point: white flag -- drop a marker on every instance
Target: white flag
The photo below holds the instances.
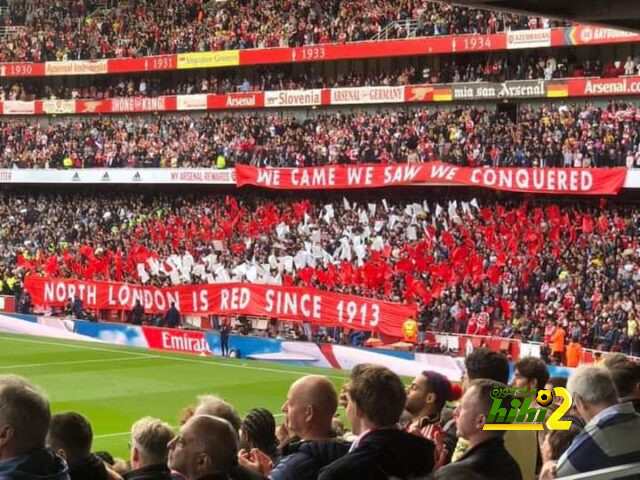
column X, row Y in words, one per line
column 372, row 209
column 474, row 203
column 345, row 203
column 439, row 210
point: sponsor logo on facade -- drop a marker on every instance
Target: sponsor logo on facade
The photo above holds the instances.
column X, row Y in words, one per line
column 105, row 177
column 183, row 342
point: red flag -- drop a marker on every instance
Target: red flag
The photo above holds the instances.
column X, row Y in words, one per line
column 506, row 308
column 494, row 274
column 553, row 212
column 603, row 224
column 448, row 240
column 587, row 224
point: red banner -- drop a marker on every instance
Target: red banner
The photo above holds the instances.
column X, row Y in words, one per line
column 286, row 303
column 573, row 181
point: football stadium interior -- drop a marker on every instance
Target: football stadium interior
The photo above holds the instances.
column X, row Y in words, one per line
column 319, row 240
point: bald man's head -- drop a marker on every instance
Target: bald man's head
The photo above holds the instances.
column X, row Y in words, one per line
column 311, row 404
column 205, row 445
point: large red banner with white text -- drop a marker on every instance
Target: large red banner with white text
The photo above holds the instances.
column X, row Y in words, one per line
column 287, row 303
column 573, row 181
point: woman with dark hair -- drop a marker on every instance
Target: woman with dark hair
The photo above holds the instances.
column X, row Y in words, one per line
column 258, row 430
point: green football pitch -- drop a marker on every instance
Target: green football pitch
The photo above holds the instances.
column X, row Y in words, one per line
column 114, row 386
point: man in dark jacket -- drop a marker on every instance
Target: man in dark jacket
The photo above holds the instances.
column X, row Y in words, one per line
column 70, row 436
column 24, row 421
column 149, row 440
column 309, row 409
column 487, row 454
column 137, row 313
column 172, row 317
column 376, row 400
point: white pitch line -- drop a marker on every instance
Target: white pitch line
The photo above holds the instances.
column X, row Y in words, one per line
column 75, row 362
column 217, row 363
column 122, row 434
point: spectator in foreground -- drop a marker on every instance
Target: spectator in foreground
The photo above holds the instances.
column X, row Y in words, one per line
column 149, row 440
column 215, row 406
column 70, row 435
column 605, row 440
column 522, row 446
column 626, row 377
column 555, row 443
column 205, row 449
column 426, row 397
column 487, row 454
column 258, row 430
column 24, row 421
column 376, row 401
column 311, row 404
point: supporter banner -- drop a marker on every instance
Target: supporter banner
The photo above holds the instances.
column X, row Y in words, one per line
column 58, row 107
column 192, row 102
column 350, row 96
column 583, row 87
column 538, row 38
column 591, row 35
column 119, row 176
column 574, row 181
column 485, row 90
column 139, row 104
column 76, row 67
column 15, row 107
column 288, row 303
column 293, row 98
column 225, row 58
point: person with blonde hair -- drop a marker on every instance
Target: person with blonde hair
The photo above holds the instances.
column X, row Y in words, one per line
column 149, row 440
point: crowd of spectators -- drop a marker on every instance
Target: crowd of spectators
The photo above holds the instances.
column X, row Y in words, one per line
column 393, row 432
column 569, row 135
column 63, row 30
column 463, row 69
column 510, row 269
